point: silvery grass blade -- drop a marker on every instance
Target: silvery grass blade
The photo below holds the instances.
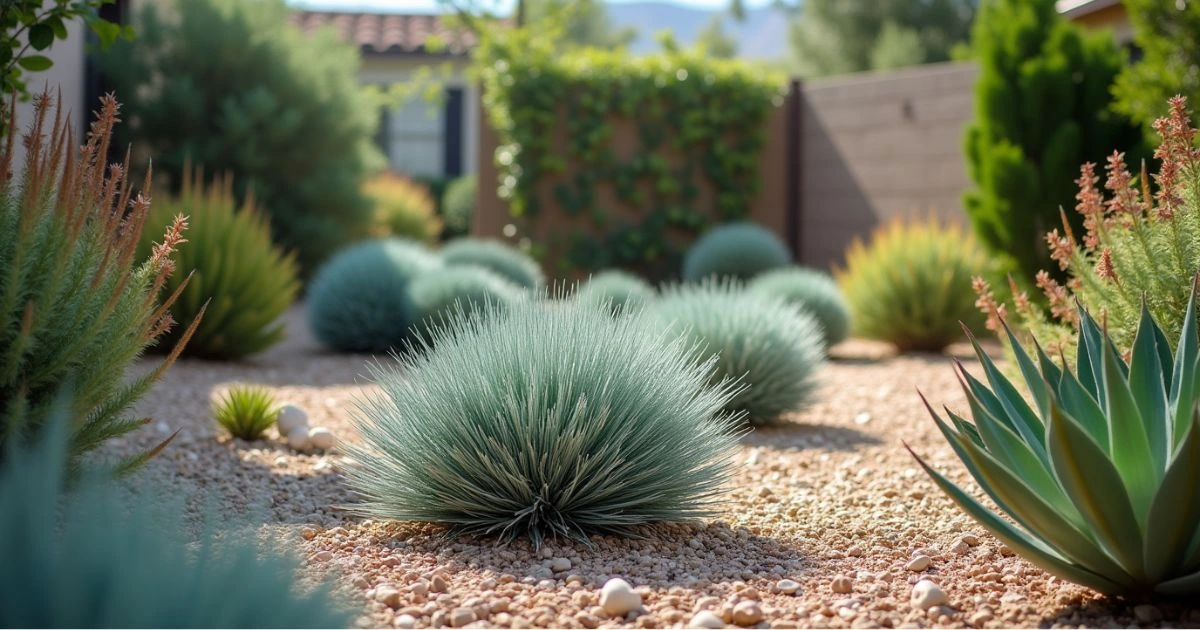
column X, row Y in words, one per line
column 1176, row 510
column 1147, row 383
column 1015, row 407
column 1184, row 373
column 1131, row 452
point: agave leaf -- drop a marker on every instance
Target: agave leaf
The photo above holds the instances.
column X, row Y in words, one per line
column 1083, row 407
column 1183, row 377
column 1027, row 546
column 1094, row 485
column 1088, row 364
column 966, row 428
column 1175, row 511
column 1146, row 383
column 1131, row 452
column 1027, row 423
column 1029, row 371
column 978, row 394
column 1180, row 586
column 1050, row 372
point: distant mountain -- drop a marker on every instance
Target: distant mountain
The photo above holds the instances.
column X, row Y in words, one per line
column 762, row 35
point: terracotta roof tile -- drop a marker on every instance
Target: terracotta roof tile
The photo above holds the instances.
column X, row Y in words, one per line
column 387, row 33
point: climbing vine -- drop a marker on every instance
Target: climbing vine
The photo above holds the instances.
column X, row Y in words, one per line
column 565, row 122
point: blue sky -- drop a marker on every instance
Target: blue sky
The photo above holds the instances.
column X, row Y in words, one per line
column 426, row 6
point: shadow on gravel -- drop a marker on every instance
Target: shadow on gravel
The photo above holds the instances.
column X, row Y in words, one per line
column 1097, row 611
column 797, row 436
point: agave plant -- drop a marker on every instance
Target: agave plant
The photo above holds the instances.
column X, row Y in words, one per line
column 1101, row 475
column 246, row 411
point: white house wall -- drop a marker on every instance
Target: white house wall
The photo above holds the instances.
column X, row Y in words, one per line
column 66, row 75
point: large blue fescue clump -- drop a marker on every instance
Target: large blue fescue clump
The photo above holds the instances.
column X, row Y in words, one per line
column 443, row 295
column 737, row 250
column 619, row 291
column 510, row 263
column 813, row 291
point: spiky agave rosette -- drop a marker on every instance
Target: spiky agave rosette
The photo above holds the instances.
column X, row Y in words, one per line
column 544, row 421
column 1101, row 476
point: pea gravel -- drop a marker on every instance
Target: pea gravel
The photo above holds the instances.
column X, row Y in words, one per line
column 829, row 521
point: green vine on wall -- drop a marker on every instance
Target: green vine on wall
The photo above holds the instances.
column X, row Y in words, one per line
column 700, row 126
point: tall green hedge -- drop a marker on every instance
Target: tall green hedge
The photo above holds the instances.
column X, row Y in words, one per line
column 699, row 125
column 1041, row 109
column 231, row 86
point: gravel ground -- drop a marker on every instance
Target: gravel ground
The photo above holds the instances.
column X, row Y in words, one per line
column 829, row 522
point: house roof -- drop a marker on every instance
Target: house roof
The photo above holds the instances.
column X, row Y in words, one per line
column 1077, row 8
column 389, row 33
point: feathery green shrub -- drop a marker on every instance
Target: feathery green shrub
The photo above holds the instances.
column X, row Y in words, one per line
column 403, row 208
column 359, row 301
column 1167, row 34
column 508, row 262
column 912, row 284
column 245, row 281
column 771, row 347
column 246, row 411
column 1099, row 475
column 812, row 290
column 740, row 250
column 76, row 304
column 458, row 206
column 555, row 420
column 105, row 560
column 620, row 291
column 443, row 295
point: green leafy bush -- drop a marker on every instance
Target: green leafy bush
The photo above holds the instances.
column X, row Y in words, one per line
column 246, row 411
column 403, row 208
column 761, row 342
column 1041, row 109
column 231, row 84
column 550, row 421
column 736, row 250
column 359, row 301
column 505, row 261
column 1099, row 474
column 458, row 205
column 1135, row 247
column 243, row 280
column 449, row 293
column 619, row 291
column 76, row 304
column 912, row 284
column 812, row 290
column 94, row 558
column 1167, row 34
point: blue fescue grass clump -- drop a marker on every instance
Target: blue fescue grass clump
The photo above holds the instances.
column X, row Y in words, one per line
column 509, row 262
column 97, row 558
column 555, row 420
column 620, row 291
column 443, row 295
column 769, row 346
column 738, row 250
column 812, row 290
column 360, row 301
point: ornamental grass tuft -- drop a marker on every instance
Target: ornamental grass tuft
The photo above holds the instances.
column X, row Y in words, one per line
column 508, row 262
column 620, row 291
column 1100, row 476
column 739, row 250
column 772, row 348
column 812, row 290
column 450, row 293
column 246, row 411
column 555, row 420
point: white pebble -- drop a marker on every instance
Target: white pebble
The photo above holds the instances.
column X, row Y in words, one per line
column 747, row 613
column 558, row 565
column 919, row 563
column 298, row 439
column 862, row 418
column 926, row 595
column 617, row 597
column 321, row 438
column 291, row 418
column 787, row 587
column 706, row 619
column 404, row 621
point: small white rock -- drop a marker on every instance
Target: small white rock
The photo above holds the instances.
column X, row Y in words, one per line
column 558, row 565
column 617, row 597
column 706, row 619
column 919, row 563
column 862, row 418
column 298, row 439
column 404, row 621
column 926, row 595
column 291, row 418
column 787, row 587
column 747, row 613
column 321, row 438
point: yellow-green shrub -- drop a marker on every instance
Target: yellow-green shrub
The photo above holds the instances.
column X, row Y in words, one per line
column 403, row 207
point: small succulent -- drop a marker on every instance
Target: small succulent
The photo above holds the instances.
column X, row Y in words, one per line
column 1100, row 476
column 737, row 250
column 448, row 293
column 246, row 411
column 506, row 261
column 812, row 290
column 619, row 291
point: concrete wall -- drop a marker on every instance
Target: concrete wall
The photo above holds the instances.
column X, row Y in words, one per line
column 66, row 75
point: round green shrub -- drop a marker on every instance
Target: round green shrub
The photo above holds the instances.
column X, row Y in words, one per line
column 812, row 290
column 360, row 301
column 458, row 205
column 510, row 263
column 739, row 250
column 403, row 208
column 621, row 291
column 448, row 293
column 767, row 345
column 554, row 420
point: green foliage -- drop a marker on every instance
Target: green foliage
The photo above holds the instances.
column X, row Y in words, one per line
column 1168, row 36
column 696, row 126
column 76, row 305
column 449, row 293
column 713, row 41
column 556, row 421
column 403, row 208
column 761, row 342
column 842, row 36
column 232, row 85
column 619, row 291
column 359, row 301
column 95, row 558
column 246, row 411
column 739, row 250
column 815, row 292
column 243, row 281
column 458, row 206
column 1099, row 475
column 503, row 260
column 576, row 23
column 1041, row 109
column 911, row 284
